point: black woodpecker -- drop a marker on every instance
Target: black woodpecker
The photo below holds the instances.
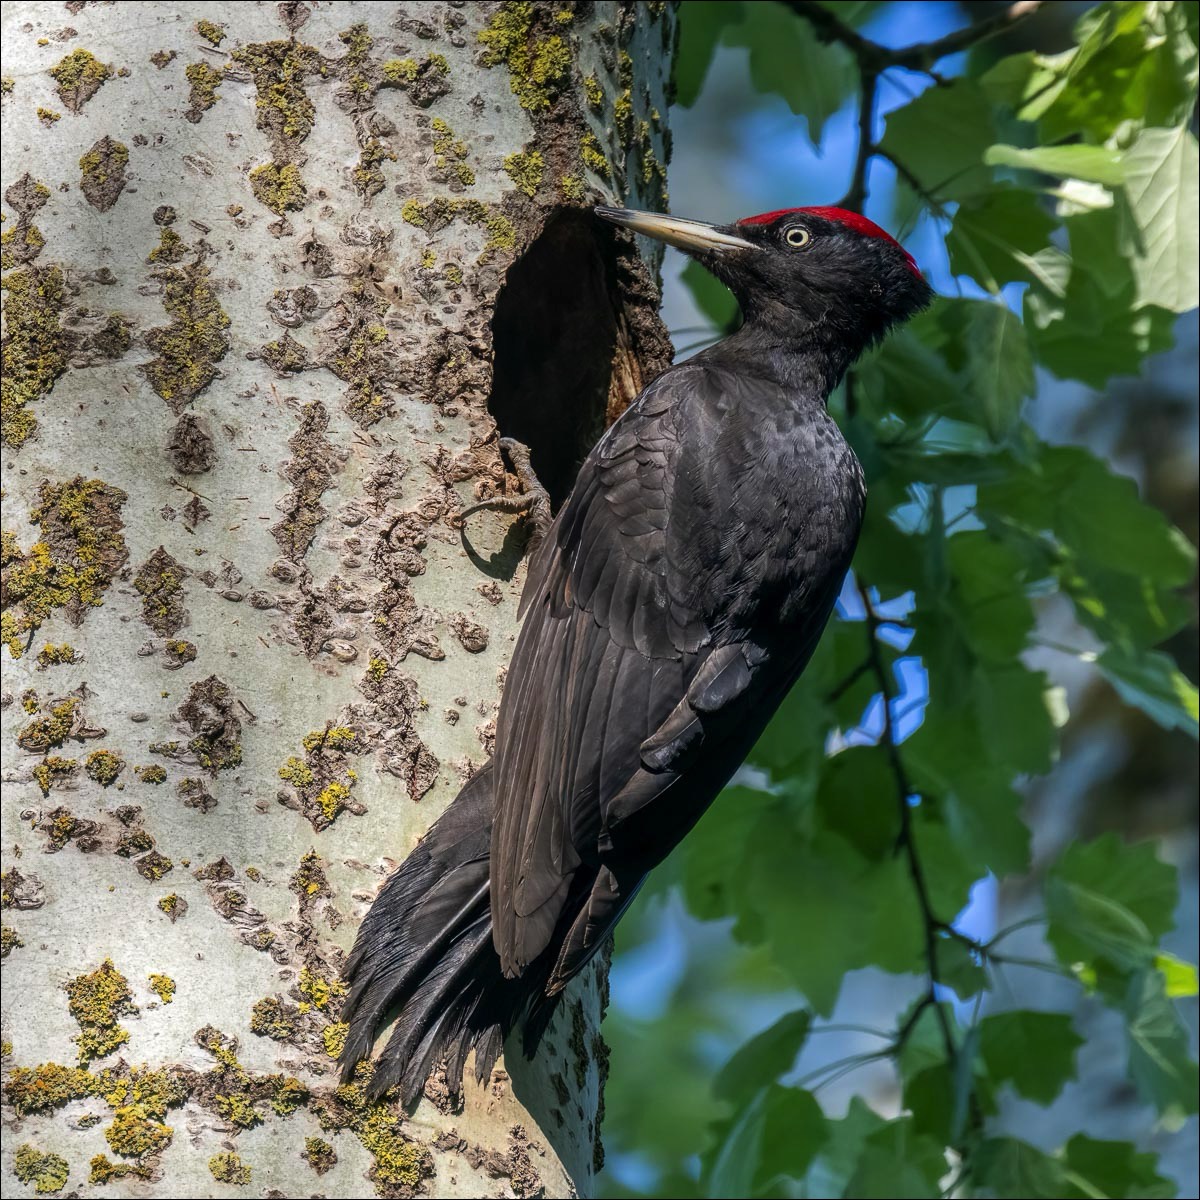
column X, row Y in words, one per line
column 677, row 596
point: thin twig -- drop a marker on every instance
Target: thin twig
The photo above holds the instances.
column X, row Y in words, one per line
column 918, row 57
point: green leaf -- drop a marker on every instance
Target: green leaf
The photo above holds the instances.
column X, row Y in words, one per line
column 775, row 1137
column 961, row 969
column 711, row 880
column 1094, row 513
column 1159, row 1064
column 898, row 1161
column 1111, row 1169
column 994, row 236
column 701, row 24
column 1095, row 163
column 940, row 138
column 763, row 1058
column 786, row 59
column 1152, row 682
column 1111, row 902
column 1162, row 171
column 1179, row 977
column 1007, row 1167
column 1034, row 1051
column 831, row 1169
column 999, row 372
column 829, row 924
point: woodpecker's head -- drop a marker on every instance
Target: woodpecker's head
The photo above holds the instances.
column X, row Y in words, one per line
column 801, row 271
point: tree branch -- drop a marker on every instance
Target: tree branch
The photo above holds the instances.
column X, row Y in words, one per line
column 918, row 57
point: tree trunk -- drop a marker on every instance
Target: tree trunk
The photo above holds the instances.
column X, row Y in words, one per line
column 271, row 285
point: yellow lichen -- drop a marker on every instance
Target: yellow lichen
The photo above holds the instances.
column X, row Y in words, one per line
column 296, row 772
column 163, row 986
column 368, row 175
column 79, row 76
column 336, row 737
column 278, row 186
column 34, row 347
column 319, row 991
column 104, row 766
column 211, row 32
column 572, row 188
column 592, row 156
column 96, row 1001
column 10, row 940
column 152, row 773
column 47, row 1172
column 52, row 770
column 203, row 81
column 228, row 1167
column 526, row 170
column 334, row 1037
column 594, row 93
column 48, row 116
column 51, row 655
column 538, row 66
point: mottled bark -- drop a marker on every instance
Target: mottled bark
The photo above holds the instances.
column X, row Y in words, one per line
column 274, row 286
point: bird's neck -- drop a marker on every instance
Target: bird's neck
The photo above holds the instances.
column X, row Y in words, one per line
column 800, row 359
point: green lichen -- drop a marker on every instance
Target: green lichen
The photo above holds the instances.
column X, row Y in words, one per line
column 104, row 766
column 319, row 1154
column 592, row 155
column 48, row 116
column 377, row 667
column 278, row 186
column 623, row 117
column 47, row 1172
column 449, row 152
column 428, row 259
column 287, row 1095
column 51, row 655
column 594, row 93
column 368, row 175
column 23, row 242
column 203, row 81
column 6, row 85
column 171, row 248
column 133, row 843
column 193, row 343
column 453, row 274
column 151, row 773
column 228, row 1167
column 33, row 347
column 79, row 76
column 163, row 986
column 211, row 32
column 538, row 66
column 399, row 71
column 10, row 940
column 104, row 1170
column 98, row 164
column 271, row 1018
column 501, row 234
column 52, row 771
column 413, row 212
column 526, row 171
column 359, row 43
column 96, row 1001
column 159, row 582
column 278, row 70
column 70, row 568
column 296, row 772
column 572, row 188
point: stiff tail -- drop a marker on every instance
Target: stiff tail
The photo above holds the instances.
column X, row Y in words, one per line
column 425, row 953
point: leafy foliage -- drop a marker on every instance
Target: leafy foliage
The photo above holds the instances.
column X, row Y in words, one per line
column 1065, row 187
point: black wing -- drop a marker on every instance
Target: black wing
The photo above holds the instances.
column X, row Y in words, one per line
column 618, row 674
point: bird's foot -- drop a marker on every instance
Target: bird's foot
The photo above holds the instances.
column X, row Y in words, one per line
column 533, row 500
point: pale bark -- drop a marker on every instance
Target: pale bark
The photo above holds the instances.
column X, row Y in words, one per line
column 241, row 418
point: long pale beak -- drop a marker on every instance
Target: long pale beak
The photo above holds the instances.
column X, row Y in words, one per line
column 675, row 231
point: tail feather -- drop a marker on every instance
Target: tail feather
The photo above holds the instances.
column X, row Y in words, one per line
column 425, row 952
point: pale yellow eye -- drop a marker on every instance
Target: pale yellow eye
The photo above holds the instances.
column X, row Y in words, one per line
column 797, row 237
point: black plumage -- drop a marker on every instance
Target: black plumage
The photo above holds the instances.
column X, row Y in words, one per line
column 677, row 596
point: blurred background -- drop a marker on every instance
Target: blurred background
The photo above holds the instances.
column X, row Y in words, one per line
column 685, row 993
